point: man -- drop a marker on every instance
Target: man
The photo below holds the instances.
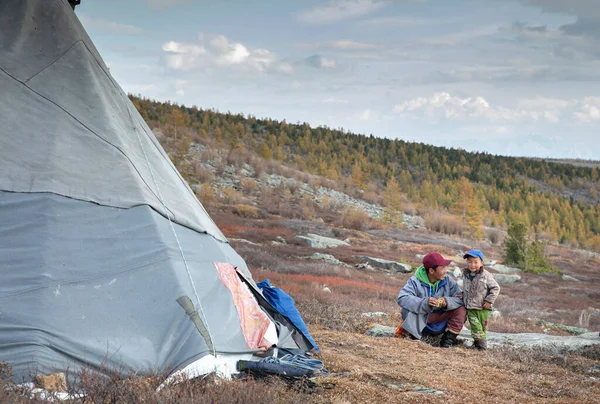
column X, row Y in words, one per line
column 431, row 302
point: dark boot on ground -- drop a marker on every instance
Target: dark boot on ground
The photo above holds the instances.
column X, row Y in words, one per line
column 448, row 339
column 481, row 344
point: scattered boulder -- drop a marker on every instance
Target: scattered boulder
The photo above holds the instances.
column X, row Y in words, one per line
column 280, row 239
column 328, row 258
column 559, row 343
column 54, row 382
column 379, row 330
column 503, row 269
column 503, row 278
column 569, row 278
column 495, row 314
column 316, row 241
column 365, row 266
column 387, row 265
column 326, row 289
column 490, row 263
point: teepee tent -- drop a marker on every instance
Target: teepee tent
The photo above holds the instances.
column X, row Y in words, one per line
column 108, row 260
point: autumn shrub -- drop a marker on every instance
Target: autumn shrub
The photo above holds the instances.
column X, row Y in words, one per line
column 292, row 185
column 260, row 258
column 247, row 211
column 209, row 155
column 248, row 185
column 494, row 235
column 205, row 194
column 444, row 223
column 116, row 387
column 354, row 218
column 232, row 196
column 372, row 197
column 203, row 174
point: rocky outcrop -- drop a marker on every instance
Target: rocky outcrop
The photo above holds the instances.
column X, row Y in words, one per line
column 503, row 269
column 316, row 241
column 328, row 258
column 387, row 265
column 497, row 340
column 503, row 278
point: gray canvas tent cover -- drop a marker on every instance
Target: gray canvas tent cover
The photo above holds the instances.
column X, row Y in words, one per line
column 99, row 234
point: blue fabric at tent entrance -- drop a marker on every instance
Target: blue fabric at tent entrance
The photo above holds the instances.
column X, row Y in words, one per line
column 285, row 305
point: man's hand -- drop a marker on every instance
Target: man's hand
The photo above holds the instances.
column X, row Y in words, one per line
column 433, row 302
column 486, row 305
column 442, row 302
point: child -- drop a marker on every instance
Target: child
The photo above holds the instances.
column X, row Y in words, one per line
column 480, row 290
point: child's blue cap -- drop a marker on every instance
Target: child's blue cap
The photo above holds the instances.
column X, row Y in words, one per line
column 474, row 253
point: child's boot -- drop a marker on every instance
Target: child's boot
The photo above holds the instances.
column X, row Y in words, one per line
column 481, row 344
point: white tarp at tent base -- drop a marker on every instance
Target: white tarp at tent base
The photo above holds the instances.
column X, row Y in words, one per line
column 101, row 240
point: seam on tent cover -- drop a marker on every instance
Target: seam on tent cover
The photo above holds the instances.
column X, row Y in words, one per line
column 54, row 61
column 186, row 186
column 99, row 204
column 187, row 269
column 116, row 207
column 84, row 279
column 89, row 129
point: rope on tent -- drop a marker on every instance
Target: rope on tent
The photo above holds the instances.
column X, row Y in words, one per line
column 174, row 233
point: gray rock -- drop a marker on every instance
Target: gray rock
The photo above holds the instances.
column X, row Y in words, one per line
column 496, row 340
column 379, row 330
column 365, row 266
column 569, row 278
column 503, row 269
column 316, row 241
column 328, row 258
column 326, row 289
column 502, row 278
column 495, row 314
column 387, row 265
column 558, row 343
column 490, row 263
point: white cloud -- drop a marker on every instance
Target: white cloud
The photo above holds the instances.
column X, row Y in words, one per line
column 366, row 115
column 459, row 37
column 396, row 21
column 219, row 51
column 334, row 100
column 338, row 10
column 161, row 4
column 285, row 68
column 109, row 26
column 444, row 106
column 588, row 110
column 353, row 45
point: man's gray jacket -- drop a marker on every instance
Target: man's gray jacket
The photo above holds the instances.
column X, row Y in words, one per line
column 414, row 300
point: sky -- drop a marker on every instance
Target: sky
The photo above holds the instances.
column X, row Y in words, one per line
column 506, row 77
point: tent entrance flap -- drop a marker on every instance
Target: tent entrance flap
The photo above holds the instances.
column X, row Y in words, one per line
column 192, row 313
